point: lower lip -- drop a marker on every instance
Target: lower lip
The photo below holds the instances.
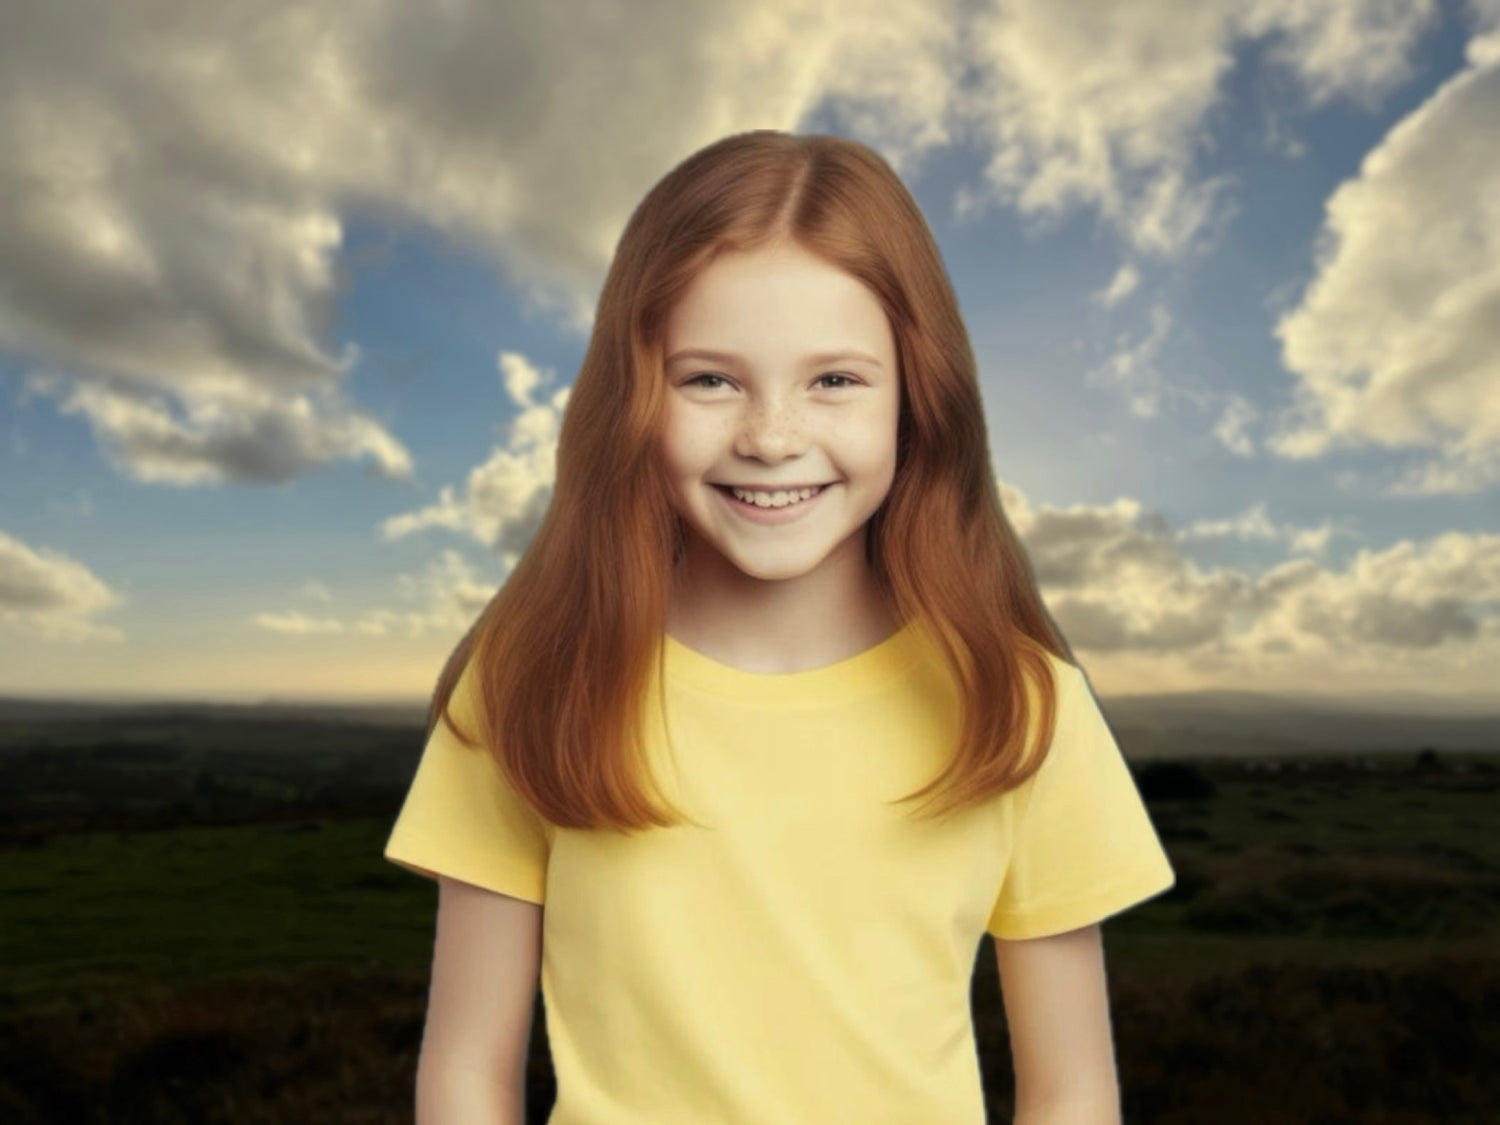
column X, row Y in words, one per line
column 771, row 515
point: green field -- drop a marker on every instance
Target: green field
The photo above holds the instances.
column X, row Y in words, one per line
column 1334, row 924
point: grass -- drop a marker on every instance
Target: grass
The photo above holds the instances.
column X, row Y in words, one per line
column 203, row 902
column 1327, row 954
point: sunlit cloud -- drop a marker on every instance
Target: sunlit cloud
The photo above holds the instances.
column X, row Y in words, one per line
column 1126, row 281
column 1396, row 342
column 47, row 595
column 1121, row 586
column 504, row 499
column 169, row 252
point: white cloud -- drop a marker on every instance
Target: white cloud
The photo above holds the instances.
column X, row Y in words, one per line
column 243, row 433
column 1230, row 428
column 296, row 624
column 1114, row 578
column 1126, row 281
column 1359, row 49
column 501, row 507
column 1107, row 105
column 505, row 498
column 1409, row 596
column 1255, row 523
column 448, row 594
column 177, row 177
column 1397, row 340
column 48, row 595
column 1117, row 582
column 1132, row 368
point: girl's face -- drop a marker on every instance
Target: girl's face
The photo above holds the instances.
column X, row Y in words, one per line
column 783, row 404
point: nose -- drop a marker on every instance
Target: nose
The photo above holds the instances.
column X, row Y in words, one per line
column 771, row 430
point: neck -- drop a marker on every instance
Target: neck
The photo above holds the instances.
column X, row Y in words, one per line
column 809, row 621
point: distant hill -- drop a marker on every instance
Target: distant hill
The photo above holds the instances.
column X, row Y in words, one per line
column 394, row 713
column 1185, row 724
column 1247, row 723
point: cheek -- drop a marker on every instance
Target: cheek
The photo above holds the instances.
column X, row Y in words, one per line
column 676, row 446
column 870, row 448
column 687, row 448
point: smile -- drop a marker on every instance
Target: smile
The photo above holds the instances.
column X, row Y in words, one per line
column 795, row 495
column 770, row 513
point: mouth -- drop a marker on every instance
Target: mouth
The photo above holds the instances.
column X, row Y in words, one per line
column 777, row 488
column 728, row 492
column 728, row 489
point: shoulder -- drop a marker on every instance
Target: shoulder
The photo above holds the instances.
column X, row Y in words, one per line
column 1074, row 714
column 1067, row 681
column 464, row 703
column 1061, row 668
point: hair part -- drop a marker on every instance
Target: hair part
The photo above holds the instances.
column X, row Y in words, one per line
column 563, row 651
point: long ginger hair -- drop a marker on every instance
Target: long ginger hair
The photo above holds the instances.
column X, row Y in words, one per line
column 563, row 652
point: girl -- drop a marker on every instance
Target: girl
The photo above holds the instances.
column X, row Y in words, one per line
column 775, row 593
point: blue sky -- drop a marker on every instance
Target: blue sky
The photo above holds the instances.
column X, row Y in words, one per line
column 284, row 316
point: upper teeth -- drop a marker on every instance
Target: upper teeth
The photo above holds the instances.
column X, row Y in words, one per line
column 774, row 499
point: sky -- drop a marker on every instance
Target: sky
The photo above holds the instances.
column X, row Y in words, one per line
column 291, row 295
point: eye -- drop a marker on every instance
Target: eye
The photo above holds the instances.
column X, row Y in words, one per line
column 697, row 380
column 838, row 375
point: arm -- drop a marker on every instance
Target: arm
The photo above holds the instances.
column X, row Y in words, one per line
column 485, row 967
column 1057, row 1010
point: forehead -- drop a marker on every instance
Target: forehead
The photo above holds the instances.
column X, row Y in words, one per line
column 778, row 305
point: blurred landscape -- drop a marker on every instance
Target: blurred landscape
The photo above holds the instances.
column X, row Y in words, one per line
column 199, row 925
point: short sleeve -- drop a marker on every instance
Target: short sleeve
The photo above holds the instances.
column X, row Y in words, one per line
column 1084, row 847
column 461, row 818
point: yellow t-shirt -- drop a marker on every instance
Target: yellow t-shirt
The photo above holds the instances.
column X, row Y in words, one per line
column 807, row 957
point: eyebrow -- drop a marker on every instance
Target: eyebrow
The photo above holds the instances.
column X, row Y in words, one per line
column 818, row 358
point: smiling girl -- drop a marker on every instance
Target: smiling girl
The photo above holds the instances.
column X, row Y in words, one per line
column 775, row 600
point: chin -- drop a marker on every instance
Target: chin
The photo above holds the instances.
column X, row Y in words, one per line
column 775, row 574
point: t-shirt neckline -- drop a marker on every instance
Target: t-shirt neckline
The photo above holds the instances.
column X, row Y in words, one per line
column 854, row 675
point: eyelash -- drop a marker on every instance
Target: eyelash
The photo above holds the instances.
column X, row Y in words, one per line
column 694, row 379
